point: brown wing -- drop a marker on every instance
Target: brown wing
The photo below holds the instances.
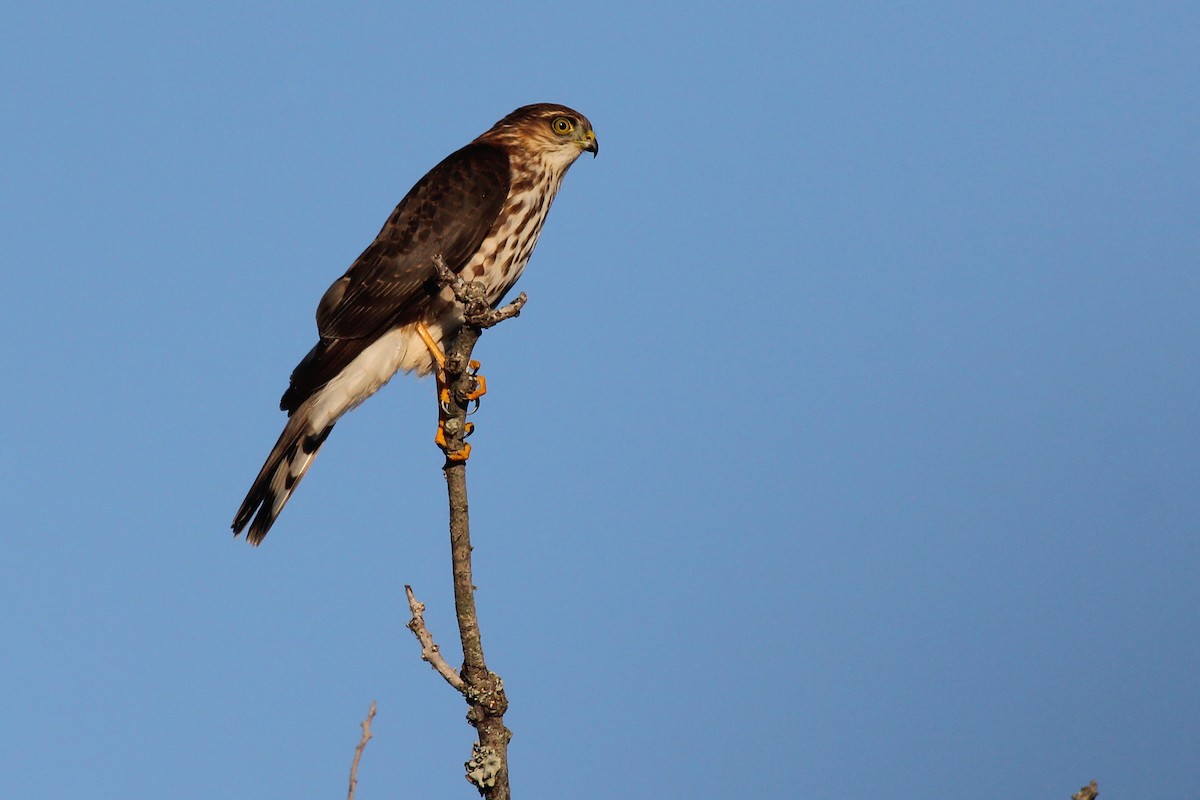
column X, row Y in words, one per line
column 449, row 213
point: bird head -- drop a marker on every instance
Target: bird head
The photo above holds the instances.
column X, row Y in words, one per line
column 556, row 133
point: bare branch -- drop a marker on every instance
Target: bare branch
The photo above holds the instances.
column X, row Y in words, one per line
column 482, row 689
column 430, row 652
column 488, row 768
column 358, row 751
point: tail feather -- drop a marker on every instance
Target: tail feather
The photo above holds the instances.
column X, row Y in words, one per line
column 291, row 457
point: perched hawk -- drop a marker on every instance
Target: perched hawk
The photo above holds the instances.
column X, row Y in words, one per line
column 481, row 210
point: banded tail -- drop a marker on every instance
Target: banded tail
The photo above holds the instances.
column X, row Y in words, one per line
column 291, row 457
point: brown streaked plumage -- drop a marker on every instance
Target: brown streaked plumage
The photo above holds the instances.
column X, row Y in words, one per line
column 481, row 209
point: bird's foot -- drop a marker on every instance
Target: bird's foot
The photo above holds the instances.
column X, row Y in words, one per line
column 460, row 454
column 447, row 416
column 478, row 389
column 480, row 383
column 448, row 419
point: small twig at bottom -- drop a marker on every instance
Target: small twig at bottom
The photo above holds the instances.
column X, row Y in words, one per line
column 358, row 751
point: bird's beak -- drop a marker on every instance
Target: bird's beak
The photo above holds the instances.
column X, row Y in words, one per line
column 590, row 144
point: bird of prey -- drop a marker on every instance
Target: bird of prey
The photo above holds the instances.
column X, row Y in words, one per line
column 480, row 210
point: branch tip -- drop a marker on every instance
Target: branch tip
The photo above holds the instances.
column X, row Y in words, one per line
column 358, row 751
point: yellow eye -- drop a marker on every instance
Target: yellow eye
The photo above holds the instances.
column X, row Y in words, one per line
column 562, row 125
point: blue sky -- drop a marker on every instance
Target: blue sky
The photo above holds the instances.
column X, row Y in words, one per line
column 847, row 445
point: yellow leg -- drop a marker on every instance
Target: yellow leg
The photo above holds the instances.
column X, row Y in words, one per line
column 434, row 350
column 440, row 358
column 443, row 391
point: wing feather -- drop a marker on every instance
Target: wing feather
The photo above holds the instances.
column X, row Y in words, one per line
column 449, row 212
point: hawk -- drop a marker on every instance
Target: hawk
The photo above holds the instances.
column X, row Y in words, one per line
column 480, row 210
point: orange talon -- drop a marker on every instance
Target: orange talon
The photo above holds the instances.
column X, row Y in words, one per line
column 480, row 382
column 452, row 455
column 480, row 388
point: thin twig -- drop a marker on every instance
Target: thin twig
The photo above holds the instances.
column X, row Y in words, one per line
column 358, row 751
column 430, row 652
